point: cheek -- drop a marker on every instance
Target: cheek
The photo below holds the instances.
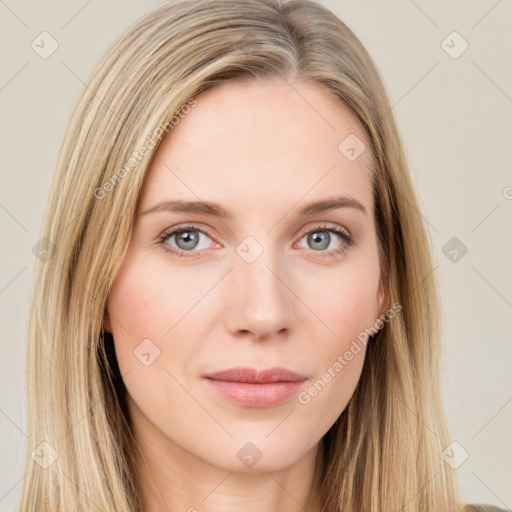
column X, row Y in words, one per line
column 345, row 300
column 340, row 354
column 139, row 306
column 144, row 307
column 150, row 307
column 346, row 303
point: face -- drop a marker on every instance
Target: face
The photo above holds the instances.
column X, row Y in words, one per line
column 258, row 280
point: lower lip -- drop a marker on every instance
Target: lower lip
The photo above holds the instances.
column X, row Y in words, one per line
column 256, row 395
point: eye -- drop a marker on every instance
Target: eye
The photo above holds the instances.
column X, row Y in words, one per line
column 191, row 239
column 321, row 238
column 186, row 239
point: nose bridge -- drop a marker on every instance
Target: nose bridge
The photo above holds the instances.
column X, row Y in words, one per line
column 261, row 301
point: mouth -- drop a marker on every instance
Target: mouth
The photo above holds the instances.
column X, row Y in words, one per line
column 253, row 388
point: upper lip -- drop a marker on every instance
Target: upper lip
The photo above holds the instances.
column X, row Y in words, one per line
column 252, row 375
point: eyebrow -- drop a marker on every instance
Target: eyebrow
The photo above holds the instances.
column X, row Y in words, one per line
column 215, row 210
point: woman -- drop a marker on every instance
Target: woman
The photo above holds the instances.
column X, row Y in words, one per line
column 237, row 309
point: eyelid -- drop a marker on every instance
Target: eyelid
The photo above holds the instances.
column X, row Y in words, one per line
column 318, row 226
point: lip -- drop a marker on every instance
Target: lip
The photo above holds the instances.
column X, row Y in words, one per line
column 254, row 376
column 256, row 388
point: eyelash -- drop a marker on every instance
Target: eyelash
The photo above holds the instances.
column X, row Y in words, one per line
column 342, row 233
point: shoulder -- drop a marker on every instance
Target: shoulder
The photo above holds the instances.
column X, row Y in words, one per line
column 483, row 508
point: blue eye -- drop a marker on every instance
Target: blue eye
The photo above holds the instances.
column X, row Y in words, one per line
column 321, row 237
column 187, row 239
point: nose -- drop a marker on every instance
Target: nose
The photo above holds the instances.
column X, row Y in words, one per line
column 260, row 301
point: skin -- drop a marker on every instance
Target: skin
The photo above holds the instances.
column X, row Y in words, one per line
column 262, row 150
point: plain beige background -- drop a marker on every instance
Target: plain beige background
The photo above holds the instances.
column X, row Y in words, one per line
column 454, row 109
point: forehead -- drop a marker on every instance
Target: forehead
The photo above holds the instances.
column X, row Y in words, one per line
column 260, row 142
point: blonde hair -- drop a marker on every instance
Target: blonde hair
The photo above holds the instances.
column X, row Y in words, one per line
column 384, row 451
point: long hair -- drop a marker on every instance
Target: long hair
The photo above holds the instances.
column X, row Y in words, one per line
column 384, row 452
